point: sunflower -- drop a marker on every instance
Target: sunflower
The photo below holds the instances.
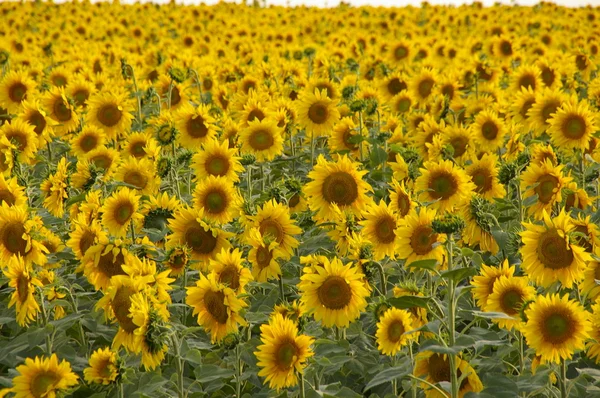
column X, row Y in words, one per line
column 263, row 256
column 273, row 220
column 526, row 77
column 589, row 286
column 116, row 303
column 556, row 327
column 547, row 102
column 157, row 282
column 391, row 331
column 140, row 174
column 254, row 109
column 588, row 233
column 54, row 189
column 401, row 53
column 43, row 377
column 392, row 84
column 435, row 368
column 22, row 135
column 11, row 192
column 283, row 352
column 416, row 239
column 24, row 284
column 334, row 293
column 16, row 236
column 345, row 225
column 546, row 181
column 119, row 210
column 418, row 314
column 380, row 226
column 477, row 214
column 42, row 124
column 523, row 101
column 317, row 113
column 61, row 111
column 102, row 261
column 575, row 197
column 88, row 139
column 111, row 112
column 508, row 296
column 572, row 126
column 158, row 210
column 263, row 139
column 105, row 160
column 217, row 159
column 484, row 174
column 488, row 130
column 343, row 137
column 104, row 367
column 86, row 233
column 339, row 183
column 228, row 267
column 196, row 126
column 141, row 145
column 150, row 339
column 16, row 87
column 550, row 255
column 483, row 284
column 173, row 93
column 216, row 305
column 460, row 138
column 402, row 103
column 292, row 311
column 423, row 84
column 177, row 260
column 443, row 184
column 189, row 229
column 400, row 169
column 80, row 90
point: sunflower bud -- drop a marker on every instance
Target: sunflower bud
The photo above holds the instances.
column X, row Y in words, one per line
column 165, row 134
column 248, row 160
column 524, row 308
column 230, row 341
column 4, row 56
column 126, row 69
column 348, row 92
column 164, row 166
column 177, row 75
column 380, row 309
column 507, row 173
column 448, row 224
column 358, row 105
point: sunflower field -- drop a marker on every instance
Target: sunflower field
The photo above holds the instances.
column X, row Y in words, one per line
column 248, row 201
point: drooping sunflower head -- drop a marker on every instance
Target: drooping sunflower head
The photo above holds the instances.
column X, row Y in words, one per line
column 24, row 296
column 104, row 367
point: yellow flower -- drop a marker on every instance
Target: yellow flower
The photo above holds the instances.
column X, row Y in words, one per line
column 444, row 184
column 273, row 220
column 14, row 89
column 24, row 295
column 416, row 238
column 334, row 293
column 216, row 305
column 435, row 368
column 88, row 139
column 22, row 135
column 218, row 198
column 16, row 236
column 556, row 327
column 104, row 367
column 228, row 267
column 43, row 377
column 508, row 296
column 546, row 181
column 119, row 210
column 483, row 284
column 196, row 126
column 111, row 112
column 392, row 331
column 572, row 126
column 263, row 256
column 11, row 192
column 149, row 338
column 338, row 183
column 55, row 189
column 379, row 227
column 283, row 352
column 263, row 139
column 140, row 174
column 484, row 174
column 550, row 255
column 216, row 159
column 317, row 113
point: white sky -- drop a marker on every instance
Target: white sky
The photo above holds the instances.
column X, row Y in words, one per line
column 397, row 3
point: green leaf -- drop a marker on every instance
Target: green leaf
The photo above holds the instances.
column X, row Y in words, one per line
column 388, row 375
column 459, row 274
column 378, row 156
column 423, row 264
column 491, row 315
column 500, row 236
column 530, row 201
column 75, row 199
column 405, row 302
column 206, row 373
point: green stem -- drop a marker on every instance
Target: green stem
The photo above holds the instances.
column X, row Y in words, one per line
column 158, row 102
column 238, row 361
column 451, row 318
column 413, row 384
column 132, row 231
column 582, row 168
column 281, row 291
column 49, row 152
column 179, row 366
column 249, row 182
column 521, row 353
column 520, row 203
column 169, row 92
column 76, row 311
column 137, row 96
column 302, row 393
column 45, row 317
column 382, row 277
column 121, row 391
column 262, row 177
column 312, row 149
column 563, row 379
